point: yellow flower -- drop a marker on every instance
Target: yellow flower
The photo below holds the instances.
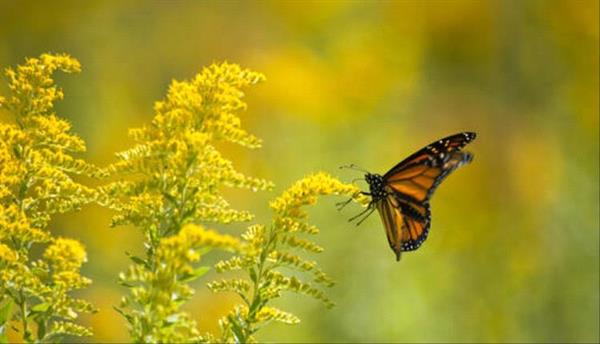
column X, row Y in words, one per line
column 267, row 250
column 306, row 191
column 65, row 254
column 173, row 178
column 7, row 255
column 36, row 181
column 16, row 227
column 32, row 89
column 181, row 248
column 181, row 169
column 70, row 279
column 271, row 313
column 198, row 236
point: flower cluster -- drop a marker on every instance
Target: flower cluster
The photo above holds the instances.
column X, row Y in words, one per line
column 36, row 181
column 172, row 177
column 269, row 251
column 180, row 168
column 33, row 91
column 40, row 290
column 159, row 285
column 168, row 183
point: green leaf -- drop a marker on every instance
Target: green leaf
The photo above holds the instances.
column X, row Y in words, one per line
column 252, row 274
column 203, row 250
column 237, row 330
column 5, row 312
column 40, row 272
column 137, row 260
column 40, row 307
column 41, row 332
column 125, row 315
column 125, row 284
column 257, row 303
column 170, row 198
column 199, row 272
column 188, row 213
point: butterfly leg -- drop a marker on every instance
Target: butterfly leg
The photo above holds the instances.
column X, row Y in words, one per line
column 365, row 217
column 369, row 209
column 341, row 205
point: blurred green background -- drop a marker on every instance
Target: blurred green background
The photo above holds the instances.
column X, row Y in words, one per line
column 513, row 254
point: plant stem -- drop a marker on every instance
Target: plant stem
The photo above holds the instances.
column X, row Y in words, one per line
column 255, row 306
column 23, row 308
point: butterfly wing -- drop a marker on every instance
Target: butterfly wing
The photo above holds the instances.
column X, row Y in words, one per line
column 446, row 145
column 406, row 225
column 393, row 221
column 409, row 186
column 416, row 177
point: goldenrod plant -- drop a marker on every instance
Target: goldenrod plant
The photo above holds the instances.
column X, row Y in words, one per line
column 159, row 285
column 169, row 186
column 37, row 165
column 173, row 177
column 272, row 262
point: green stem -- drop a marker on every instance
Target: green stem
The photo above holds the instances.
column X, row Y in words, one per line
column 23, row 308
column 256, row 304
column 173, row 225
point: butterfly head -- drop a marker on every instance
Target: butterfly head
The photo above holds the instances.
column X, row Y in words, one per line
column 376, row 186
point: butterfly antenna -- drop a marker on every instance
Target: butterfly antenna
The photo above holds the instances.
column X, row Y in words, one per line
column 357, row 179
column 354, row 167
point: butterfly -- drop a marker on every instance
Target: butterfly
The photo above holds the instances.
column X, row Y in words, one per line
column 401, row 196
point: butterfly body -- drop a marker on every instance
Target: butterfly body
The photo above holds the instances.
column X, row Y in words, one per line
column 376, row 186
column 401, row 196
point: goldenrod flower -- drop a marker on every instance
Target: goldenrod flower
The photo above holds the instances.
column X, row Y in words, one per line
column 181, row 169
column 36, row 181
column 7, row 255
column 267, row 314
column 32, row 88
column 159, row 285
column 16, row 227
column 170, row 180
column 267, row 249
column 306, row 192
column 65, row 254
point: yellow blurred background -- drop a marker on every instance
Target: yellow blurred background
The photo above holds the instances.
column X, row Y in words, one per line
column 513, row 254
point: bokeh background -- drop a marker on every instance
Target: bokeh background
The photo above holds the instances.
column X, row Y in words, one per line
column 513, row 254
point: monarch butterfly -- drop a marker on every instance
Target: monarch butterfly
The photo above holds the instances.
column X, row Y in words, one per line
column 402, row 194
